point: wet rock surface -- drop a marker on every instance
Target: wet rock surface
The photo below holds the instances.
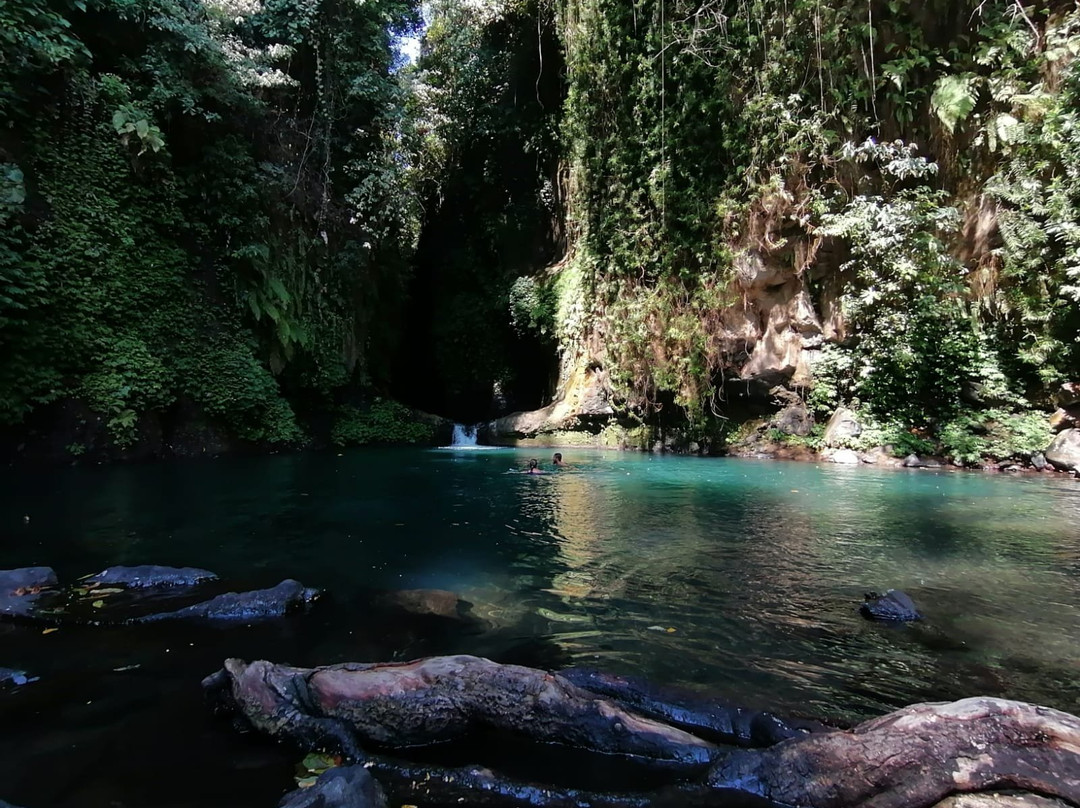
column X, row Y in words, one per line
column 121, row 596
column 436, row 602
column 21, row 589
column 260, row 604
column 150, row 576
column 712, row 720
column 341, row 787
column 893, row 606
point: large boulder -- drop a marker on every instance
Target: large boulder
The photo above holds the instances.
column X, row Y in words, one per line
column 341, row 787
column 1064, row 452
column 793, row 420
column 842, row 428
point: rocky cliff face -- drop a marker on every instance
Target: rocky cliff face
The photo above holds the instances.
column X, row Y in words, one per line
column 769, row 335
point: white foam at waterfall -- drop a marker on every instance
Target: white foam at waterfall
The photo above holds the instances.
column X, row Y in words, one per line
column 464, row 435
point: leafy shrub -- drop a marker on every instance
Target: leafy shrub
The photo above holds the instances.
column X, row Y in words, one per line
column 532, row 306
column 383, row 422
column 230, row 384
column 973, row 437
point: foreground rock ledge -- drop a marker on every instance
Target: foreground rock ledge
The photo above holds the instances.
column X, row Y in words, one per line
column 912, row 758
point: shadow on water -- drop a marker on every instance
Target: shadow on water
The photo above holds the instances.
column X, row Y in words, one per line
column 731, row 577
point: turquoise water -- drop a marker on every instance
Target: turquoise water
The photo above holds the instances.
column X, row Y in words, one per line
column 738, row 578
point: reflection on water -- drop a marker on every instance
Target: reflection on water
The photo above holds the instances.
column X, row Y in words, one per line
column 734, row 577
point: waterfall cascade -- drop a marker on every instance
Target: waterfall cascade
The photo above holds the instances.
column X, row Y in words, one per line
column 464, row 435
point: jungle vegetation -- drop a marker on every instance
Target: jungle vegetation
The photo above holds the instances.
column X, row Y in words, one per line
column 257, row 212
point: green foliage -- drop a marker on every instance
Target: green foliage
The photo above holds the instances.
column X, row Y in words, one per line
column 485, row 109
column 953, row 100
column 208, row 205
column 533, row 306
column 383, row 421
column 974, row 437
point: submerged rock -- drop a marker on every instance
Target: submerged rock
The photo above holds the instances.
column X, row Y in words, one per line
column 259, row 604
column 13, row 678
column 437, row 602
column 151, row 575
column 20, row 589
column 22, row 581
column 894, row 605
column 341, row 787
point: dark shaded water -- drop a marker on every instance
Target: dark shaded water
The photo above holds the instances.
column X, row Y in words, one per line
column 733, row 577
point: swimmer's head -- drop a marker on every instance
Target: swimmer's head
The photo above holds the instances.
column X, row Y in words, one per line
column 534, row 463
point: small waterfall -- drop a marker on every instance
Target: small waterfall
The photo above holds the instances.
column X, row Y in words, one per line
column 464, row 435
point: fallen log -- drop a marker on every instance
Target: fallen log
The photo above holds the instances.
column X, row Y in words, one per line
column 917, row 756
column 442, row 698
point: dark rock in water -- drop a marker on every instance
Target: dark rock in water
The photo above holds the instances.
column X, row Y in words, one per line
column 20, row 589
column 437, row 602
column 260, row 604
column 24, row 581
column 150, row 575
column 708, row 719
column 341, row 787
column 14, row 678
column 894, row 605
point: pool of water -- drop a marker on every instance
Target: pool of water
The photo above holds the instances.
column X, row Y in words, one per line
column 732, row 577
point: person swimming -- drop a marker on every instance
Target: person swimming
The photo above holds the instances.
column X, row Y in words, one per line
column 557, row 461
column 534, row 467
